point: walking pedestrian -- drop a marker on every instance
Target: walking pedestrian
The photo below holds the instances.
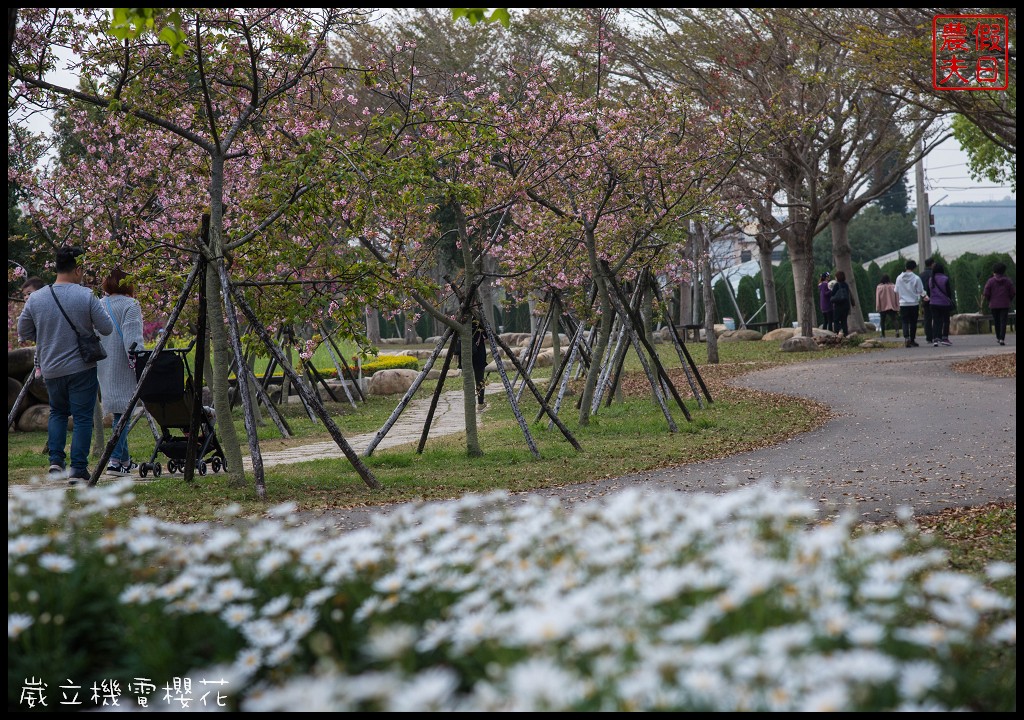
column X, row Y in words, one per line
column 926, row 278
column 54, row 317
column 825, row 301
column 941, row 299
column 887, row 303
column 479, row 352
column 910, row 292
column 117, row 371
column 999, row 293
column 842, row 301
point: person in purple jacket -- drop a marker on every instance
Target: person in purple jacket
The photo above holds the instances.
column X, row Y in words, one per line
column 941, row 298
column 825, row 301
column 999, row 293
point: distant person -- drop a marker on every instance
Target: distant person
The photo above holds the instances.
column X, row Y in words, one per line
column 926, row 278
column 887, row 304
column 940, row 296
column 116, row 371
column 825, row 301
column 479, row 351
column 70, row 381
column 842, row 301
column 910, row 292
column 999, row 293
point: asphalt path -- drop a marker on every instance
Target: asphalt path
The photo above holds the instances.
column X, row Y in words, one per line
column 906, row 430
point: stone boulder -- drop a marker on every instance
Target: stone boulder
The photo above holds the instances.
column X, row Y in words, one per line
column 968, row 324
column 799, row 344
column 391, row 382
column 513, row 339
column 546, row 341
column 737, row 335
column 37, row 389
column 19, row 362
column 435, row 373
column 35, row 418
column 13, row 390
column 779, row 334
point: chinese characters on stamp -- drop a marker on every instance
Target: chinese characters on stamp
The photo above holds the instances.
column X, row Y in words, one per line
column 970, row 52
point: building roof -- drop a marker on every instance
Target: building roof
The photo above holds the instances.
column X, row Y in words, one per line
column 953, row 245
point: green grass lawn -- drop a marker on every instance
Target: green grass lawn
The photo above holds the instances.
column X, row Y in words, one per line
column 627, row 437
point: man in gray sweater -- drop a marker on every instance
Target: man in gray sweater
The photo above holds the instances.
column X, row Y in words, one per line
column 70, row 382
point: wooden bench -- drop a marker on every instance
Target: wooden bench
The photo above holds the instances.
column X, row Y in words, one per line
column 690, row 331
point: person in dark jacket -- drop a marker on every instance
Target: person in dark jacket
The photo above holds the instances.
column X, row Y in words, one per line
column 479, row 358
column 842, row 301
column 999, row 293
column 825, row 301
column 926, row 278
column 940, row 298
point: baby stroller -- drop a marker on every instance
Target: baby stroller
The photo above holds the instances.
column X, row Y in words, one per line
column 169, row 397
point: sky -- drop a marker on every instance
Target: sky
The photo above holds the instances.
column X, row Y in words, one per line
column 948, row 181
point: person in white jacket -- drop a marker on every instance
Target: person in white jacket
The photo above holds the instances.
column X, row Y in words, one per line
column 911, row 292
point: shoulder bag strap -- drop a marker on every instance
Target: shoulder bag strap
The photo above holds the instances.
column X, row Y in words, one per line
column 110, row 312
column 73, row 326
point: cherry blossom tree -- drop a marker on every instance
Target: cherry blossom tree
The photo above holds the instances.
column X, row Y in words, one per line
column 234, row 120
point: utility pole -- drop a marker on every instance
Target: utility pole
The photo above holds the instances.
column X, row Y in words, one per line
column 924, row 238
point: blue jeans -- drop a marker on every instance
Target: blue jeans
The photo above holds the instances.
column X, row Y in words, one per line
column 121, row 448
column 72, row 395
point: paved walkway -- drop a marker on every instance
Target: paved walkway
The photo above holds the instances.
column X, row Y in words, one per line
column 449, row 418
column 907, row 431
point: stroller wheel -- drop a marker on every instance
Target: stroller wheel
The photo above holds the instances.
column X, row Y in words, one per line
column 202, row 467
column 157, row 470
column 215, row 464
column 172, row 466
column 143, row 469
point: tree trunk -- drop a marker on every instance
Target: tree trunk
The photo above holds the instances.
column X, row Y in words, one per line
column 410, row 329
column 98, row 442
column 771, row 304
column 603, row 328
column 844, row 262
column 220, row 362
column 469, row 390
column 801, row 252
column 372, row 325
column 704, row 246
column 685, row 302
column 220, row 352
column 556, row 329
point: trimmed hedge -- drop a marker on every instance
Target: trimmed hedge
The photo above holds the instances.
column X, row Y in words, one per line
column 390, row 362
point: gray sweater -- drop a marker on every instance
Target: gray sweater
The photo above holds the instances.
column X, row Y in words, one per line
column 117, row 377
column 56, row 341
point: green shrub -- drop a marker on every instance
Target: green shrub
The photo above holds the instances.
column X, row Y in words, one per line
column 390, row 362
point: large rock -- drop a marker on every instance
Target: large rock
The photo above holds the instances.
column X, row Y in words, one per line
column 35, row 418
column 741, row 334
column 435, row 373
column 37, row 389
column 13, row 390
column 799, row 344
column 780, row 334
column 391, row 382
column 968, row 324
column 19, row 362
column 513, row 339
column 546, row 342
